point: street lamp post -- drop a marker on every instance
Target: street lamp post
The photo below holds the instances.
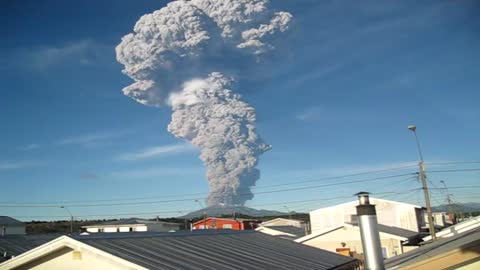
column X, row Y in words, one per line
column 423, row 178
column 71, row 218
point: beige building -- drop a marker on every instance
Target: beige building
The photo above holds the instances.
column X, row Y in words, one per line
column 132, row 225
column 346, row 239
column 390, row 213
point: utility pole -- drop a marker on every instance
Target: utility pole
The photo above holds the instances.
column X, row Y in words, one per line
column 71, row 218
column 449, row 201
column 423, row 178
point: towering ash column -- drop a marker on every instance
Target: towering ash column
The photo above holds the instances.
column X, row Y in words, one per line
column 367, row 218
column 187, row 56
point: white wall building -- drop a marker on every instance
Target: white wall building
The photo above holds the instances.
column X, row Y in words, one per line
column 11, row 226
column 132, row 225
column 390, row 213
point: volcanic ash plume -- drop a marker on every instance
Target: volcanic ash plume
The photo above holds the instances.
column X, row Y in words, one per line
column 179, row 56
column 216, row 120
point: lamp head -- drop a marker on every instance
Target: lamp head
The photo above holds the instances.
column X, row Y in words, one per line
column 412, row 128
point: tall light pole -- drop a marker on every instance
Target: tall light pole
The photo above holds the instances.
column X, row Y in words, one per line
column 423, row 178
column 71, row 218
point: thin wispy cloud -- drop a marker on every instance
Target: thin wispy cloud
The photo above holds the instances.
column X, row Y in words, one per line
column 156, row 172
column 29, row 147
column 13, row 165
column 5, row 165
column 309, row 113
column 92, row 139
column 157, row 151
column 79, row 52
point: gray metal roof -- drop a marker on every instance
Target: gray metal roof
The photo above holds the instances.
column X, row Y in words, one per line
column 215, row 249
column 436, row 248
column 5, row 220
column 15, row 245
column 289, row 229
column 397, row 231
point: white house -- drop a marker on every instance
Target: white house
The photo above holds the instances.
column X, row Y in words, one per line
column 11, row 226
column 132, row 225
column 390, row 213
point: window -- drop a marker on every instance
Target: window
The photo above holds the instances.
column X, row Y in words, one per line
column 226, row 226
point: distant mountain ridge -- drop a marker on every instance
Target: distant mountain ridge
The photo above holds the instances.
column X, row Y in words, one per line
column 218, row 211
column 464, row 207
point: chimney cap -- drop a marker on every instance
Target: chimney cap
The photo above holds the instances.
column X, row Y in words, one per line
column 363, row 198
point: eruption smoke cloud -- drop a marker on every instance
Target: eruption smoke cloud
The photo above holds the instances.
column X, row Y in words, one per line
column 180, row 56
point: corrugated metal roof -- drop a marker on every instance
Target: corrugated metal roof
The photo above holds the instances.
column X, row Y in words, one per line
column 5, row 220
column 288, row 229
column 15, row 245
column 397, row 231
column 215, row 249
column 434, row 249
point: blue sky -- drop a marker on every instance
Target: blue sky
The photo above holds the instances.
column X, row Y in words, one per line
column 335, row 100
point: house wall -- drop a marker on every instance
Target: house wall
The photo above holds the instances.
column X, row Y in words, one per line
column 388, row 213
column 219, row 224
column 114, row 229
column 93, row 230
column 472, row 266
column 67, row 258
column 141, row 228
column 10, row 230
column 466, row 257
column 351, row 237
column 153, row 227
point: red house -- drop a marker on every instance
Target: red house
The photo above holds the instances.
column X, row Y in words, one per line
column 213, row 223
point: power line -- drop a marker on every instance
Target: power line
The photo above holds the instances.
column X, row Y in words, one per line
column 191, row 210
column 204, row 193
column 456, row 187
column 456, row 170
column 190, row 199
column 453, row 163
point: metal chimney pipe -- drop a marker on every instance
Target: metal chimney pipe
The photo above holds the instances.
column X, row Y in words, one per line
column 367, row 218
